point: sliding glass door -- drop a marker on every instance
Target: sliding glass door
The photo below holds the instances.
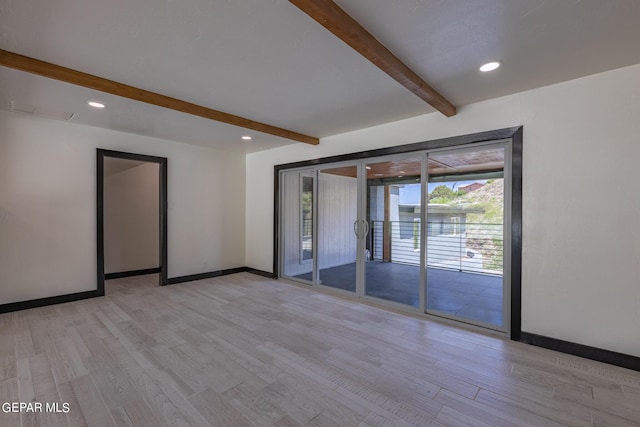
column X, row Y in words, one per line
column 297, row 213
column 339, row 227
column 323, row 231
column 394, row 211
column 466, row 235
column 426, row 231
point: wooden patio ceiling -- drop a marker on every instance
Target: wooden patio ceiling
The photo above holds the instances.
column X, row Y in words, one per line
column 460, row 163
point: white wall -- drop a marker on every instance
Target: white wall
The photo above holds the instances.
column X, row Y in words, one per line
column 581, row 278
column 131, row 217
column 48, row 205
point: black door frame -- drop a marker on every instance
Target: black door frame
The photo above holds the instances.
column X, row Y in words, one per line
column 162, row 161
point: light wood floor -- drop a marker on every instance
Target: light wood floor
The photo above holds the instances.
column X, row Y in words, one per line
column 242, row 350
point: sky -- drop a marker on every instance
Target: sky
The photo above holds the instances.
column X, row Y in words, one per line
column 410, row 194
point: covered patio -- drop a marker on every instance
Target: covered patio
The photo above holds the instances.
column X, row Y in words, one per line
column 477, row 297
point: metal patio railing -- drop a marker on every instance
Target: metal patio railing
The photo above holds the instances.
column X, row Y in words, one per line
column 468, row 247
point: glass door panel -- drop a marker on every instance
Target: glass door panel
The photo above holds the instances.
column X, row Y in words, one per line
column 338, row 227
column 465, row 235
column 394, row 199
column 297, row 224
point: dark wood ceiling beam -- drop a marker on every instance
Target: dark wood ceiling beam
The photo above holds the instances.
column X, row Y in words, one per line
column 347, row 29
column 68, row 75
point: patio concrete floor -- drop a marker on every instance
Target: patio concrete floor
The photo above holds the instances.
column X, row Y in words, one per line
column 477, row 297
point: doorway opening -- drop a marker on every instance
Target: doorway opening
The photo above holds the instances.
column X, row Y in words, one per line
column 131, row 216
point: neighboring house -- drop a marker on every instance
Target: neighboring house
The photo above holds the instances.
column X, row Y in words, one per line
column 441, row 219
column 446, row 227
column 471, row 187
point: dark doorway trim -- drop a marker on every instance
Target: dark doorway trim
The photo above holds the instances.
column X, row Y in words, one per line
column 162, row 161
column 513, row 133
column 132, row 273
column 516, row 235
column 60, row 299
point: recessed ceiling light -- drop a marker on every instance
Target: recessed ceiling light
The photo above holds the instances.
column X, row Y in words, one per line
column 402, row 172
column 399, row 176
column 246, row 138
column 490, row 66
column 378, row 174
column 368, row 168
column 95, row 104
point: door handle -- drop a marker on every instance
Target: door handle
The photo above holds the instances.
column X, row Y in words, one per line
column 357, row 229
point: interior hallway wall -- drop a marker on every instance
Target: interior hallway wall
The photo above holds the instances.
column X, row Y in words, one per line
column 131, row 215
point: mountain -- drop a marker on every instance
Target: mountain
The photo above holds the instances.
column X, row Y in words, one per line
column 490, row 197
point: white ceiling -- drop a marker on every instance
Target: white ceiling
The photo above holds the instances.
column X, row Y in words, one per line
column 267, row 61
